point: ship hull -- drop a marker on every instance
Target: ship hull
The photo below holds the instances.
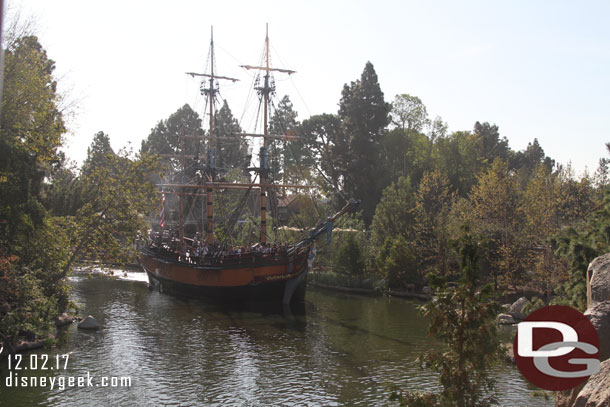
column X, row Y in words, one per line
column 281, row 281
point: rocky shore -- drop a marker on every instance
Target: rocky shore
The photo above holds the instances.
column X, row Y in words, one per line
column 596, row 391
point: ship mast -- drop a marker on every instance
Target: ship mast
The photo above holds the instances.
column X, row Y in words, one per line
column 210, row 92
column 266, row 91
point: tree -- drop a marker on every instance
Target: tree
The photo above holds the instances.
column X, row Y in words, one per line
column 602, row 173
column 364, row 115
column 433, row 201
column 398, row 263
column 32, row 243
column 495, row 203
column 98, row 153
column 350, row 257
column 526, row 161
column 579, row 245
column 286, row 156
column 457, row 156
column 328, row 147
column 229, row 153
column 31, row 130
column 395, row 214
column 542, row 219
column 107, row 226
column 464, row 318
column 165, row 138
column 409, row 113
column 490, row 144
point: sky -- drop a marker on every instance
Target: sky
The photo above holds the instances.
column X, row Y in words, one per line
column 536, row 69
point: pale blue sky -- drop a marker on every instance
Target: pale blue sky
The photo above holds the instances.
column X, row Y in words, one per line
column 536, row 69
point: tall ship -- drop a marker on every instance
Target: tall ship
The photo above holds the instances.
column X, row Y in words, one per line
column 198, row 261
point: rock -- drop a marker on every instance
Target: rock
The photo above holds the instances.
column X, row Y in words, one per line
column 505, row 319
column 599, row 270
column 596, row 392
column 566, row 398
column 64, row 319
column 506, row 307
column 516, row 310
column 426, row 290
column 508, row 352
column 89, row 323
column 599, row 315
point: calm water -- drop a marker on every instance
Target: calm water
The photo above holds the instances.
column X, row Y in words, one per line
column 344, row 351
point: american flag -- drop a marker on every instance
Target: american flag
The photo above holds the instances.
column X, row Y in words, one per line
column 162, row 213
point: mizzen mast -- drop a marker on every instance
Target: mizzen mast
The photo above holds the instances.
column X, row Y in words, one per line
column 265, row 91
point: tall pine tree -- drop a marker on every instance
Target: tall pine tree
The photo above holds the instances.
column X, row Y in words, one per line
column 364, row 114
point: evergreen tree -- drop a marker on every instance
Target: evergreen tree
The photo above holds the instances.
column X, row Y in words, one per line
column 464, row 318
column 164, row 138
column 97, row 153
column 395, row 214
column 350, row 257
column 229, row 153
column 364, row 115
column 433, row 201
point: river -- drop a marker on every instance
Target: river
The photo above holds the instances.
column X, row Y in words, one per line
column 344, row 350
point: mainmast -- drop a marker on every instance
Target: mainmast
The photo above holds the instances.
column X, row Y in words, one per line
column 265, row 91
column 210, row 90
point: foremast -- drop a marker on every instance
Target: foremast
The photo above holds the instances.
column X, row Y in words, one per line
column 210, row 91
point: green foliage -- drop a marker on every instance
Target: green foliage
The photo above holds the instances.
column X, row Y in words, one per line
column 364, row 115
column 323, row 137
column 395, row 213
column 398, row 263
column 433, row 202
column 229, row 153
column 286, row 158
column 579, row 246
column 108, row 224
column 26, row 310
column 409, row 112
column 165, row 138
column 463, row 318
column 350, row 257
column 495, row 215
column 31, row 130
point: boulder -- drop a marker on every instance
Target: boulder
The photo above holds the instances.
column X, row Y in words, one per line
column 599, row 270
column 566, row 398
column 89, row 323
column 596, row 392
column 599, row 315
column 505, row 319
column 516, row 310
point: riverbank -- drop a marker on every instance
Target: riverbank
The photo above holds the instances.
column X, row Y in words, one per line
column 371, row 285
column 342, row 351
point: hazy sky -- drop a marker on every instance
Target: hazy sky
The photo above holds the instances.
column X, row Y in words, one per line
column 536, row 69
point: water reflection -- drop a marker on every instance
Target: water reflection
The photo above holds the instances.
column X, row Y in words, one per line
column 338, row 350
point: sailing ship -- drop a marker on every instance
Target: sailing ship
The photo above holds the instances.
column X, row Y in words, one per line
column 202, row 266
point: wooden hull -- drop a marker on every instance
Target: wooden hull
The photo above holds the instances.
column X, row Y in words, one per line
column 273, row 280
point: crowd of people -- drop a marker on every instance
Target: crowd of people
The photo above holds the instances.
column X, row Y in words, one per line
column 196, row 251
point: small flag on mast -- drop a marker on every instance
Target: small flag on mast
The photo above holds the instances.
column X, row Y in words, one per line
column 162, row 214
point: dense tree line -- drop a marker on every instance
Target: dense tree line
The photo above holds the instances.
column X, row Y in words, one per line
column 419, row 184
column 51, row 213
